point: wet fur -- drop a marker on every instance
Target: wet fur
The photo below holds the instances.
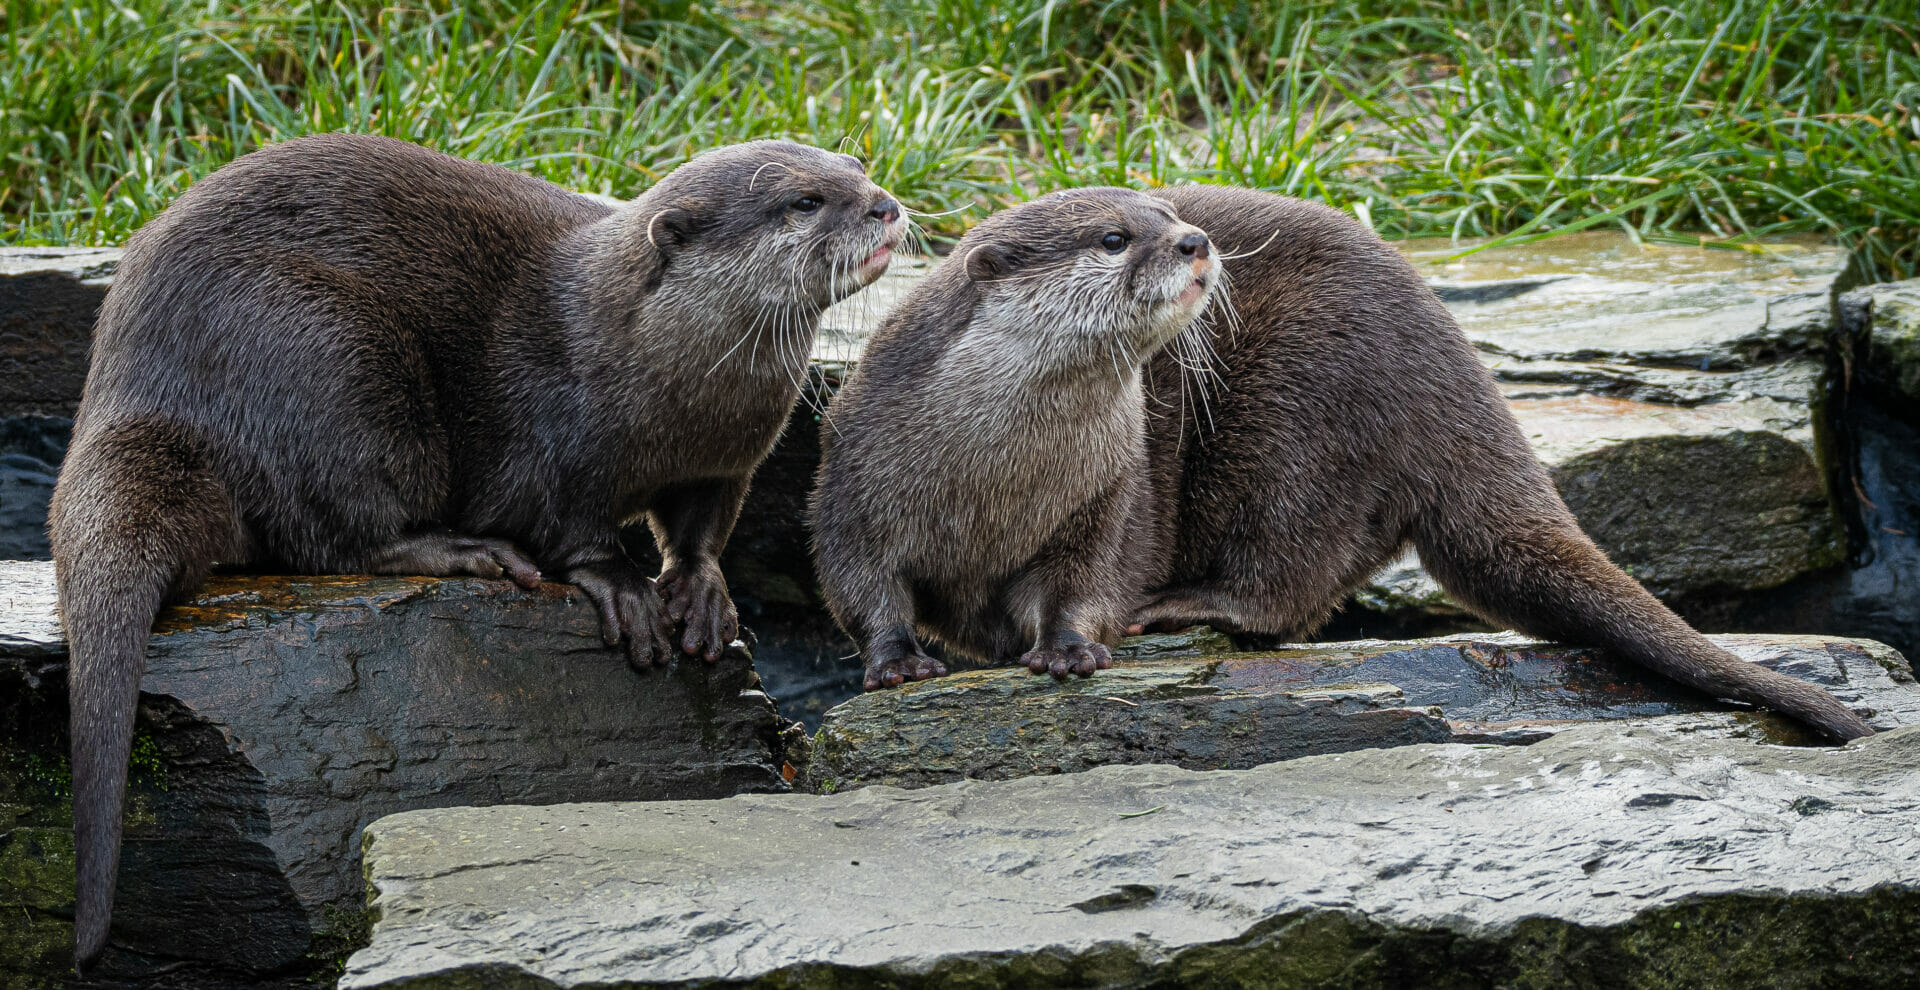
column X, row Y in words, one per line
column 1352, row 417
column 979, row 466
column 350, row 354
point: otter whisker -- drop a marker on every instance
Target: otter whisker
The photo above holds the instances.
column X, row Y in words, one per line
column 1029, row 275
column 752, row 331
column 763, row 167
column 1246, row 254
column 650, row 222
column 945, row 213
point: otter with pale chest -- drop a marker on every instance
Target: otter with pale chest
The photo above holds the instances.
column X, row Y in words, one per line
column 980, row 465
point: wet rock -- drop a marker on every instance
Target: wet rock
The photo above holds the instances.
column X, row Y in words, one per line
column 279, row 715
column 48, row 298
column 1001, row 724
column 1238, row 710
column 1883, row 324
column 31, row 448
column 1606, row 856
column 1722, row 495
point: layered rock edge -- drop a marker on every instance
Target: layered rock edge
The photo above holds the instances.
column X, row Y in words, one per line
column 1607, row 855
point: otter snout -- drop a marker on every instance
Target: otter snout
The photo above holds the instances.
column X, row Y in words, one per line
column 1193, row 246
column 888, row 211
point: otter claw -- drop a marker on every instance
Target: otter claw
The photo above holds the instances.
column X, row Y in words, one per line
column 898, row 671
column 697, row 599
column 630, row 611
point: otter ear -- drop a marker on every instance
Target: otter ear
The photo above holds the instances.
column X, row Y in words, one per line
column 670, row 229
column 987, row 262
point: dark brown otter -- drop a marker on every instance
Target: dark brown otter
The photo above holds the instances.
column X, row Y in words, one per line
column 348, row 354
column 1351, row 417
column 981, row 463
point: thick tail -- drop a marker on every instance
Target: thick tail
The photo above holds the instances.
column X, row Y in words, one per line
column 1519, row 559
column 137, row 517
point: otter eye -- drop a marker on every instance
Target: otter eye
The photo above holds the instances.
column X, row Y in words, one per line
column 1115, row 242
column 805, row 204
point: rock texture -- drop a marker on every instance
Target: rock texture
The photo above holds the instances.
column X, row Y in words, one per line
column 1883, row 324
column 48, row 298
column 1672, row 392
column 279, row 715
column 1607, row 856
column 1598, row 297
column 31, row 448
column 1238, row 710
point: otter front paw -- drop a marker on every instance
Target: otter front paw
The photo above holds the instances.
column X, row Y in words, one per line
column 697, row 599
column 1075, row 657
column 895, row 670
column 630, row 612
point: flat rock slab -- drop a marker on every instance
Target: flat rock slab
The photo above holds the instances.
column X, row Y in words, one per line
column 1607, row 856
column 1671, row 392
column 280, row 715
column 1600, row 297
column 1693, row 482
column 1239, row 710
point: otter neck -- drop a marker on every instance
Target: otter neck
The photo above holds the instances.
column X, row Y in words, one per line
column 1032, row 357
column 1020, row 374
column 633, row 306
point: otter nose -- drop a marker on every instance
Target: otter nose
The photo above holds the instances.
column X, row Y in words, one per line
column 885, row 211
column 1194, row 245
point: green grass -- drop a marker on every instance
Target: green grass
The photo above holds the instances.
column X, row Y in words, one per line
column 1689, row 120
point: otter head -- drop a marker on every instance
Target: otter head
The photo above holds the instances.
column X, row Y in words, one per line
column 1099, row 274
column 771, row 225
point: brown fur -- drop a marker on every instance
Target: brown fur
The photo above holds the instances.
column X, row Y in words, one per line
column 349, row 353
column 981, row 463
column 1351, row 417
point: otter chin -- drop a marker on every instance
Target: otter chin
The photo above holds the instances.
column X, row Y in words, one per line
column 989, row 448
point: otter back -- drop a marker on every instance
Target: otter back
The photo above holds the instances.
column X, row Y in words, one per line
column 1350, row 417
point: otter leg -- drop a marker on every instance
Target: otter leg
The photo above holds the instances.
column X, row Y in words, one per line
column 1067, row 651
column 448, row 554
column 1189, row 605
column 1070, row 598
column 895, row 657
column 691, row 524
column 875, row 608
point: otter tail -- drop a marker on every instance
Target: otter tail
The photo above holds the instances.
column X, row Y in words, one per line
column 137, row 517
column 1519, row 558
